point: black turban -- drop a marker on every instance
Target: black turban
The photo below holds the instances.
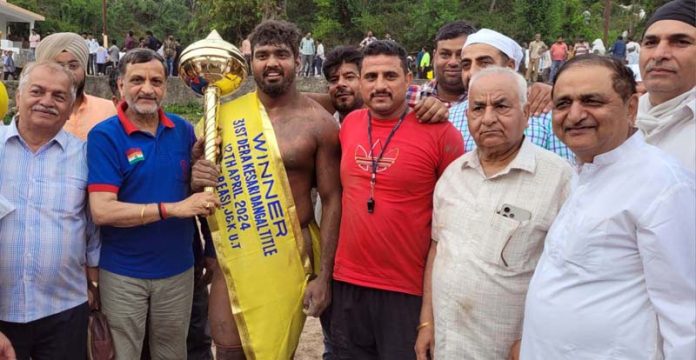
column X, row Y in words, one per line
column 680, row 10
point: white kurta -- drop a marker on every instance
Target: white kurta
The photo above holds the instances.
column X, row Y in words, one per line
column 671, row 126
column 484, row 261
column 617, row 279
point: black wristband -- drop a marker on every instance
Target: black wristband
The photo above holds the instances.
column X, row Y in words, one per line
column 159, row 209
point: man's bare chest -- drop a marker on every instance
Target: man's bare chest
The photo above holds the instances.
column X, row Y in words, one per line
column 297, row 144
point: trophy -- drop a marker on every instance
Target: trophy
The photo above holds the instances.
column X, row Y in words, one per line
column 214, row 68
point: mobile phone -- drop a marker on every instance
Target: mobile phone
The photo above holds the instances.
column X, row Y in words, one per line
column 514, row 212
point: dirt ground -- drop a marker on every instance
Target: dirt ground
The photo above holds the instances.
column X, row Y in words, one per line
column 311, row 342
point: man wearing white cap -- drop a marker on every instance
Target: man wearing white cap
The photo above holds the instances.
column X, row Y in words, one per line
column 485, row 48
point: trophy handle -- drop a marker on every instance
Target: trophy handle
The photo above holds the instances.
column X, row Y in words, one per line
column 211, row 102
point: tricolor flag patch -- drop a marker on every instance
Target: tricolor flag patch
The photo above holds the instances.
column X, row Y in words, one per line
column 135, row 155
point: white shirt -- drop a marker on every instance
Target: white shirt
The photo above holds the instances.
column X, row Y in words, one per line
column 317, row 204
column 102, row 55
column 93, row 46
column 484, row 261
column 545, row 60
column 617, row 279
column 320, row 51
column 34, row 40
column 367, row 41
column 671, row 126
column 632, row 52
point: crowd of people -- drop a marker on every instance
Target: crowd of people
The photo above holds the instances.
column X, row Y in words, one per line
column 475, row 216
column 103, row 58
column 543, row 61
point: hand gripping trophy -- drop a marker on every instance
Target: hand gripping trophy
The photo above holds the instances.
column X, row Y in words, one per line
column 214, row 68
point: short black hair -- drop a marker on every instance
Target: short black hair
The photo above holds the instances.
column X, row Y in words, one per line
column 622, row 78
column 149, row 33
column 389, row 48
column 139, row 56
column 130, row 32
column 276, row 32
column 339, row 56
column 454, row 30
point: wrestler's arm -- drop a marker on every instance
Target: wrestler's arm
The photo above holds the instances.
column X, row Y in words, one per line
column 322, row 99
column 328, row 160
column 428, row 109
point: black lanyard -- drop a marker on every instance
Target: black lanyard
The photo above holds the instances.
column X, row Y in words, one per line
column 375, row 162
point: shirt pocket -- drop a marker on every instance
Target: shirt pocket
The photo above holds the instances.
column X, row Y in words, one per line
column 586, row 243
column 69, row 196
column 492, row 238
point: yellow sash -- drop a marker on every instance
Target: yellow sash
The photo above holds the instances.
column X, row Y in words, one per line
column 260, row 248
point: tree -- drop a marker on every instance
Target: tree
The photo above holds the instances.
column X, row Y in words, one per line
column 413, row 23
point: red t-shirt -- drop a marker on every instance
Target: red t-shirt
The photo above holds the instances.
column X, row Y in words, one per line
column 559, row 51
column 387, row 249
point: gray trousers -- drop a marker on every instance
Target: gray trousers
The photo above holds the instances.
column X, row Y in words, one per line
column 127, row 301
column 306, row 64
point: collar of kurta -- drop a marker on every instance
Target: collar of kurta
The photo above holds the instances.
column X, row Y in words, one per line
column 627, row 149
column 128, row 125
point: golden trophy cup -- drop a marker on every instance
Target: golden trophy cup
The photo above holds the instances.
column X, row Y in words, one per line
column 214, row 68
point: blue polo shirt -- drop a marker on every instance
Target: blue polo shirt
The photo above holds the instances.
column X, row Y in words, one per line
column 143, row 169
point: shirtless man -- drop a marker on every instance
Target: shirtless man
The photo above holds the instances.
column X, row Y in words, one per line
column 308, row 140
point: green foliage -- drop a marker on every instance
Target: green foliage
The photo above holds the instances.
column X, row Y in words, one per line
column 234, row 20
column 413, row 23
column 193, row 112
column 163, row 17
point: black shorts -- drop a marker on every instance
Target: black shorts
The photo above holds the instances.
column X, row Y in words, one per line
column 370, row 324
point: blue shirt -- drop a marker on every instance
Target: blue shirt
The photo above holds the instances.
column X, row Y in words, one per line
column 143, row 169
column 47, row 238
column 307, row 46
column 539, row 131
column 618, row 49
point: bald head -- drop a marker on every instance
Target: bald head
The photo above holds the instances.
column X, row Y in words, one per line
column 497, row 114
column 516, row 83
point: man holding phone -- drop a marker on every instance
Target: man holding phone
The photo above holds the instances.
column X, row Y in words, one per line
column 492, row 209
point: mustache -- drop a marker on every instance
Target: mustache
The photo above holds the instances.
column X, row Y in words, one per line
column 379, row 93
column 653, row 65
column 342, row 92
column 45, row 109
column 579, row 124
column 270, row 70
